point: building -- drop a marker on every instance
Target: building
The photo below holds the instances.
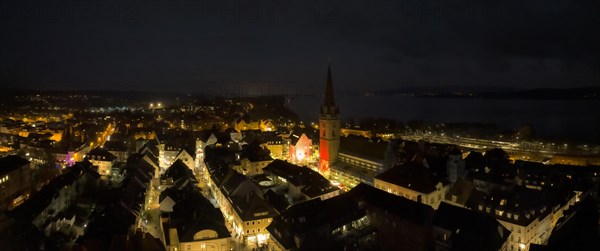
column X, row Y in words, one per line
column 241, row 201
column 191, row 222
column 529, row 214
column 275, row 144
column 118, row 149
column 457, row 228
column 301, row 183
column 300, row 147
column 413, row 182
column 15, row 181
column 313, row 224
column 187, row 158
column 455, row 166
column 46, row 204
column 329, row 129
column 247, row 122
column 253, row 159
column 103, row 159
column 360, row 160
column 400, row 222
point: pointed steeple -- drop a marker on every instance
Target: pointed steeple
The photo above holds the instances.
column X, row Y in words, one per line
column 329, row 101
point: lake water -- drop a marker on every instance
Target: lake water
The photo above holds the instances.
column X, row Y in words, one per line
column 574, row 119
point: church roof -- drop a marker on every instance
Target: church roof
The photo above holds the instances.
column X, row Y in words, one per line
column 329, row 100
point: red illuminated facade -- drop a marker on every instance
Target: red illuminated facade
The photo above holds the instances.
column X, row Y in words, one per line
column 329, row 129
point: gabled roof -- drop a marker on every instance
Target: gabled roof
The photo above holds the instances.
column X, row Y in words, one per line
column 252, row 207
column 193, row 213
column 150, row 146
column 179, row 170
column 412, row 177
column 255, row 153
column 186, row 150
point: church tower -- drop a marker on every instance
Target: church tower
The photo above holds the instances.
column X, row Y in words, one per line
column 329, row 129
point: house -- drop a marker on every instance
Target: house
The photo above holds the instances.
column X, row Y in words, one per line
column 275, row 144
column 103, row 159
column 192, row 223
column 300, row 147
column 527, row 213
column 56, row 196
column 241, row 202
column 413, row 182
column 178, row 171
column 253, row 159
column 248, row 122
column 301, row 183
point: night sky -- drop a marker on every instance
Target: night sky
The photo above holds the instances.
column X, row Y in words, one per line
column 181, row 46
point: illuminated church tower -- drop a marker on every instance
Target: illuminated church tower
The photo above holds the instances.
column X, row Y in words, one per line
column 329, row 126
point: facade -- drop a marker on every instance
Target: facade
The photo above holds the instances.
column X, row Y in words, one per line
column 329, row 129
column 206, row 239
column 275, row 144
column 455, row 167
column 15, row 180
column 300, row 147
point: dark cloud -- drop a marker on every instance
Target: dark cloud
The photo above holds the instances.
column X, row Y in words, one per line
column 178, row 45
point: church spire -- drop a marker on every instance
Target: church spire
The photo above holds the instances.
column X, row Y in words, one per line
column 329, row 101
